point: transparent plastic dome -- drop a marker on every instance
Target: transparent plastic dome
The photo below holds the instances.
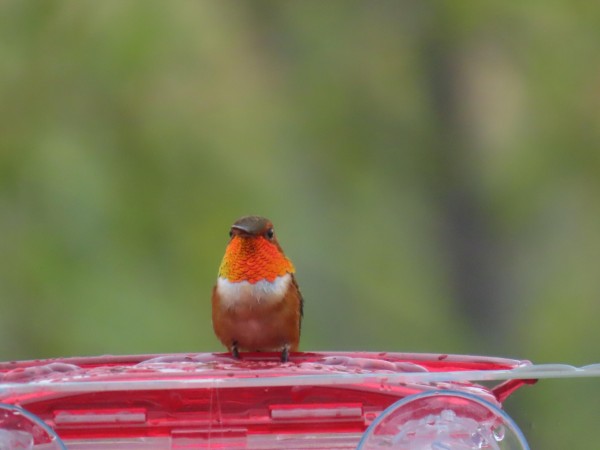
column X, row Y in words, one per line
column 443, row 420
column 19, row 429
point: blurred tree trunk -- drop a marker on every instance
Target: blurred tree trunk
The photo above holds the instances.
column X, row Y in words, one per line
column 473, row 253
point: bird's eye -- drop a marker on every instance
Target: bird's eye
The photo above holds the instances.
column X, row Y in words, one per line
column 269, row 234
column 230, row 233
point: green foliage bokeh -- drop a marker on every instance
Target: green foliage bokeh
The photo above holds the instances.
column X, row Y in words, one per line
column 432, row 170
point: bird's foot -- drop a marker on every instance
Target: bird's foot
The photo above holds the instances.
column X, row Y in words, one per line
column 234, row 350
column 285, row 353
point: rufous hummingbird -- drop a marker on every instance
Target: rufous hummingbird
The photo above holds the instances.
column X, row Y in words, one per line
column 256, row 303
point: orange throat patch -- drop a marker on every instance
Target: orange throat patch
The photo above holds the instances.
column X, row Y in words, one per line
column 253, row 259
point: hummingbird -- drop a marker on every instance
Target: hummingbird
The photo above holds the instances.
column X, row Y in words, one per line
column 256, row 303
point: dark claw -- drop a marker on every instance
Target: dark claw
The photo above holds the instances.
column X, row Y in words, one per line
column 285, row 354
column 234, row 350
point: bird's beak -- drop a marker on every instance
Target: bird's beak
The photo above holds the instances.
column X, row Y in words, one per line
column 240, row 230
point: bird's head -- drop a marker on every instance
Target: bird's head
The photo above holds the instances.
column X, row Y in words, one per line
column 253, row 252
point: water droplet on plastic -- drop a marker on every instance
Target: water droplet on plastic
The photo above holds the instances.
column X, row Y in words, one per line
column 409, row 367
column 370, row 416
column 499, row 431
column 384, row 386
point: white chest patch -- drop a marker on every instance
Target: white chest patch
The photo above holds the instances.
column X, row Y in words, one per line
column 263, row 291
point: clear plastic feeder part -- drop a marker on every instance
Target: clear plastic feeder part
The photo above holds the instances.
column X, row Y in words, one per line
column 19, row 429
column 443, row 420
column 315, row 401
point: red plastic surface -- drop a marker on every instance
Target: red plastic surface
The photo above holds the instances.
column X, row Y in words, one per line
column 200, row 397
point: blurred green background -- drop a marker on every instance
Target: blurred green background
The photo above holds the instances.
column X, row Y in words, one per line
column 432, row 169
